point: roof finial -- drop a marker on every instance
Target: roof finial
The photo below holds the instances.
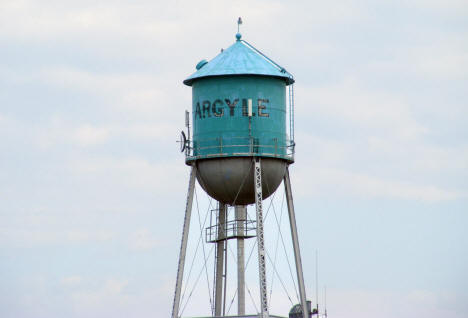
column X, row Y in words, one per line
column 238, row 35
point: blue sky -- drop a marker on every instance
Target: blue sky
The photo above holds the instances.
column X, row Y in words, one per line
column 92, row 185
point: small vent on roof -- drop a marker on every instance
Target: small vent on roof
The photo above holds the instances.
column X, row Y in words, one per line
column 201, row 64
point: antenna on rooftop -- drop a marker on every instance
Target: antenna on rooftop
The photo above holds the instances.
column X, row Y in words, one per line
column 239, row 22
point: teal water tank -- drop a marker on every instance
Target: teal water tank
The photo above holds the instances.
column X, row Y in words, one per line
column 239, row 112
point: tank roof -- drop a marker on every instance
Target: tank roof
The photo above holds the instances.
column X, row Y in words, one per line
column 241, row 58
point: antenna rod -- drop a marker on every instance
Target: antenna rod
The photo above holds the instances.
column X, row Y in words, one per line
column 325, row 300
column 316, row 279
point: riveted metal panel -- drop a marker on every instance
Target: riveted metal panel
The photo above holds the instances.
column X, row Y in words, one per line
column 241, row 58
column 229, row 180
column 221, row 125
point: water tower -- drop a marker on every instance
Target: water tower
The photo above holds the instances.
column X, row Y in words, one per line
column 239, row 152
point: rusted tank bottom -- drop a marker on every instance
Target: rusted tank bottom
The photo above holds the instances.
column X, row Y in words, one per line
column 231, row 180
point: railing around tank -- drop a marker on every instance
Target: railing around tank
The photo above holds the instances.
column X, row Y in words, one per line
column 239, row 146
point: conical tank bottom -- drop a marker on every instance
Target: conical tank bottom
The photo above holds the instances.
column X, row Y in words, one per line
column 231, row 180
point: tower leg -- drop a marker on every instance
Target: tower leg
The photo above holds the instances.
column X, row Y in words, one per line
column 183, row 245
column 260, row 240
column 220, row 259
column 297, row 252
column 241, row 216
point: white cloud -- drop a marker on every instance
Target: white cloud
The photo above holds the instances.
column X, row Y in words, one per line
column 404, row 158
column 443, row 58
column 337, row 182
column 60, row 132
column 115, row 286
column 387, row 154
column 387, row 303
column 443, row 64
column 143, row 240
column 137, row 92
column 120, row 297
column 457, row 7
column 137, row 173
column 420, row 156
column 155, row 132
column 89, row 236
column 71, row 280
column 92, row 22
column 88, row 135
column 110, row 291
column 382, row 167
column 45, row 234
column 382, row 112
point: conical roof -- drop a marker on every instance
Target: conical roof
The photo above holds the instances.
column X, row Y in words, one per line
column 241, row 58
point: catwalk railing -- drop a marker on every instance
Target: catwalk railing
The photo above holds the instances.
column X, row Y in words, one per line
column 239, row 146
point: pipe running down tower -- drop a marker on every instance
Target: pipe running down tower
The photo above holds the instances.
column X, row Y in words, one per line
column 240, row 153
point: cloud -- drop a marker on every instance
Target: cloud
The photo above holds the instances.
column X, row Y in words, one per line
column 441, row 58
column 442, row 63
column 135, row 92
column 88, row 135
column 89, row 236
column 386, row 303
column 71, row 280
column 455, row 6
column 133, row 172
column 54, row 18
column 143, row 240
column 379, row 167
column 369, row 143
column 111, row 290
column 48, row 235
column 420, row 156
column 60, row 132
column 336, row 182
column 382, row 112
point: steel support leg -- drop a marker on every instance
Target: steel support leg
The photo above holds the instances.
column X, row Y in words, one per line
column 220, row 259
column 297, row 252
column 241, row 216
column 183, row 245
column 261, row 244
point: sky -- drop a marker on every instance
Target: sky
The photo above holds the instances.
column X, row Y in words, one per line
column 93, row 186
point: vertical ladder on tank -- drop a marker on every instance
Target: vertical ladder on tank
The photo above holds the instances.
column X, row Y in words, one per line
column 291, row 113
